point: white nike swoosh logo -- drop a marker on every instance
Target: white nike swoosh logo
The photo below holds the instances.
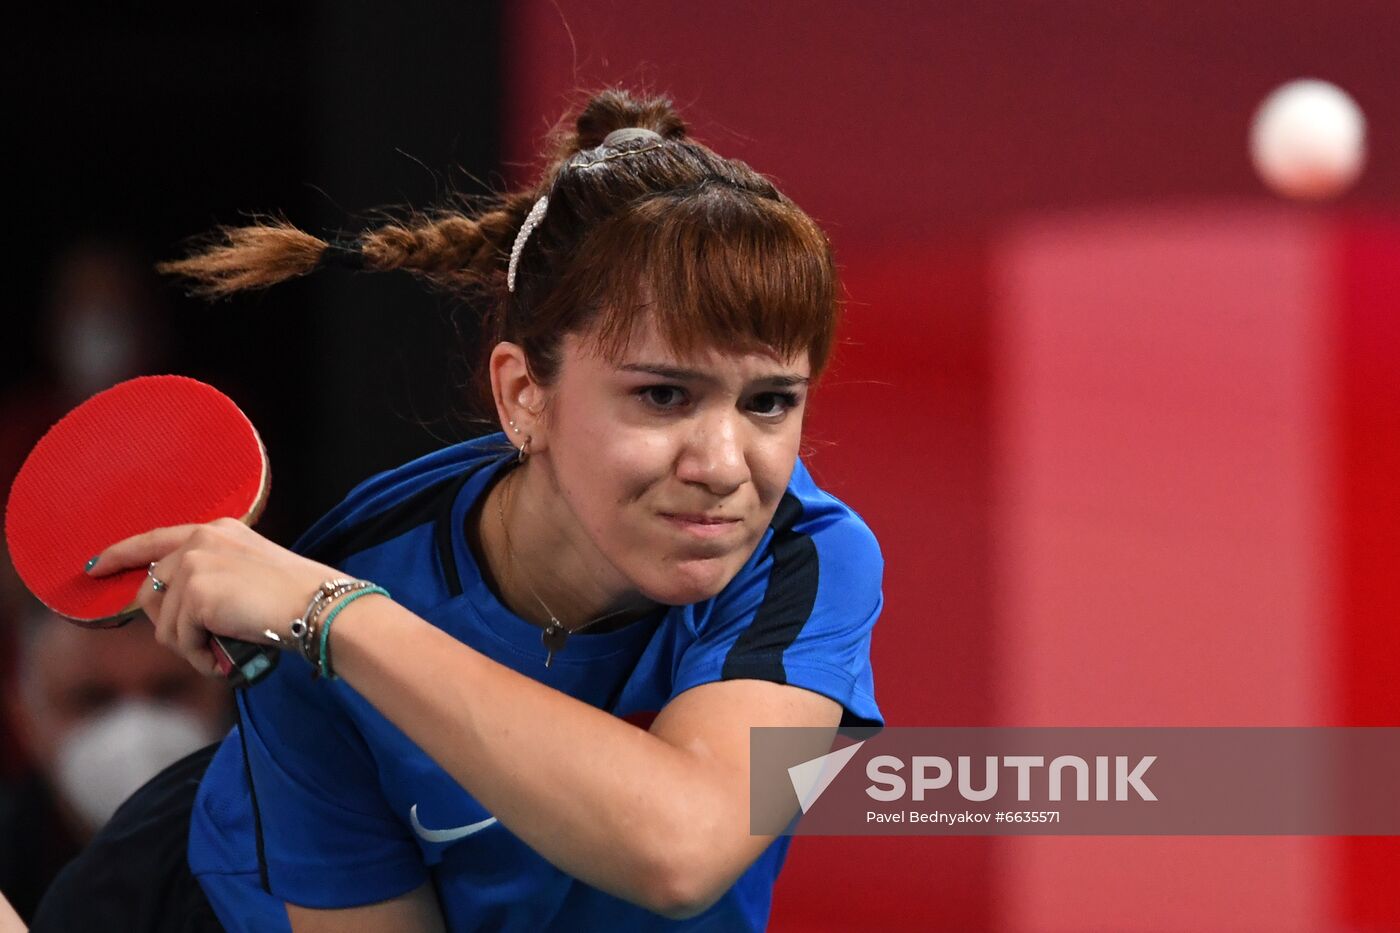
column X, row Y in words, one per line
column 446, row 835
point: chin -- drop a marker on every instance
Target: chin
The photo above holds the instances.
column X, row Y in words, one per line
column 690, row 582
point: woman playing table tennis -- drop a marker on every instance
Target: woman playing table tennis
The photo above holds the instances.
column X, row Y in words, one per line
column 519, row 685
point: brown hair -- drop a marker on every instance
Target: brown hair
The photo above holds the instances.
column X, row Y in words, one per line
column 705, row 245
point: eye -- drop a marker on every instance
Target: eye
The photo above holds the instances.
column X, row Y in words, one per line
column 663, row 397
column 773, row 405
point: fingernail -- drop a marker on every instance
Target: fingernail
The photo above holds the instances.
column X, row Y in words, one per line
column 91, row 564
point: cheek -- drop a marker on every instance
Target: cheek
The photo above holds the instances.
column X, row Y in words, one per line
column 773, row 465
column 606, row 473
column 593, row 444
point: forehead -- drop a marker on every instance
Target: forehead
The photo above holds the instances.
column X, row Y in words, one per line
column 647, row 345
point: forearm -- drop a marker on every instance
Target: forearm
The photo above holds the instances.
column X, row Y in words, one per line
column 611, row 804
column 414, row 912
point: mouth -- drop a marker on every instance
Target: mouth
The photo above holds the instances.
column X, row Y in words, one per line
column 702, row 526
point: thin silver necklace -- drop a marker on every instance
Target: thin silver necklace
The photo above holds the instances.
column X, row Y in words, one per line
column 556, row 634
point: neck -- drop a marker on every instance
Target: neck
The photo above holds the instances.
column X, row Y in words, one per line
column 536, row 561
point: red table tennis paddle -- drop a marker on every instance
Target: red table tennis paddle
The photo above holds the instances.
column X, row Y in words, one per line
column 147, row 453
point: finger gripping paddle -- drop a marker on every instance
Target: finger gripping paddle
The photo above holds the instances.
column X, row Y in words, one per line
column 147, row 453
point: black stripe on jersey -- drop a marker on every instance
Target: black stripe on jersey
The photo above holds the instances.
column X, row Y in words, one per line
column 433, row 504
column 253, row 793
column 757, row 653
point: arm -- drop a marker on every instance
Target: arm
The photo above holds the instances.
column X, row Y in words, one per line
column 669, row 806
column 658, row 818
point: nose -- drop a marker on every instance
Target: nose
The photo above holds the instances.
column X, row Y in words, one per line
column 714, row 454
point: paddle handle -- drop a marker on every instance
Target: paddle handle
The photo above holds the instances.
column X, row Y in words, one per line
column 242, row 663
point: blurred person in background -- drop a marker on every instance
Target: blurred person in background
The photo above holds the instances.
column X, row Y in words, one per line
column 99, row 325
column 98, row 713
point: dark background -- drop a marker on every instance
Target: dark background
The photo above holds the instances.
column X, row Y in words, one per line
column 148, row 126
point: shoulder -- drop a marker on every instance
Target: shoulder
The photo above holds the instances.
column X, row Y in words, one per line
column 836, row 531
column 396, row 501
column 817, row 549
column 801, row 611
column 813, row 526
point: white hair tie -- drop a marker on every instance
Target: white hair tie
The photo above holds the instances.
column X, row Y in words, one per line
column 532, row 220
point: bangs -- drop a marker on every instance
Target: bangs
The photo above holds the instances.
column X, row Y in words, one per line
column 715, row 268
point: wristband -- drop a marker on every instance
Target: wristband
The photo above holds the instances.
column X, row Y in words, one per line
column 323, row 663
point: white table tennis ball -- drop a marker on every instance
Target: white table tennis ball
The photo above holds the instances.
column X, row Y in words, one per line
column 1308, row 140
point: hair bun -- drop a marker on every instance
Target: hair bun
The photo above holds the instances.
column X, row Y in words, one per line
column 631, row 134
column 615, row 110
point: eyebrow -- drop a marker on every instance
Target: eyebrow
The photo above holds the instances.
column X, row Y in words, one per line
column 693, row 375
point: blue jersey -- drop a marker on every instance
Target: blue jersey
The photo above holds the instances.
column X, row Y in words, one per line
column 317, row 799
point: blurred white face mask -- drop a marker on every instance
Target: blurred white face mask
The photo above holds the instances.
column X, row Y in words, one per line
column 102, row 761
column 98, row 350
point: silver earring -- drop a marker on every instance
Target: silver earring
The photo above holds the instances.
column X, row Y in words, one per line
column 524, row 450
column 514, row 428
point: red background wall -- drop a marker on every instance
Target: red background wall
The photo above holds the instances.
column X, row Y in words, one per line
column 948, row 149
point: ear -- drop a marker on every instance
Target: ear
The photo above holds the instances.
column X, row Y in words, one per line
column 520, row 400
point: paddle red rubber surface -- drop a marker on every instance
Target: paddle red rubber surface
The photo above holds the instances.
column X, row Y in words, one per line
column 147, row 453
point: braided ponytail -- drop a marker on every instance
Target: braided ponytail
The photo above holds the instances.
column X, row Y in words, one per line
column 447, row 248
column 235, row 259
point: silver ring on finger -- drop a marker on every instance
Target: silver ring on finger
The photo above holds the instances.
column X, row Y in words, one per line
column 157, row 584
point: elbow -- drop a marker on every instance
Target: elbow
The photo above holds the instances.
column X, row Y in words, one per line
column 680, row 895
column 685, row 879
column 692, row 851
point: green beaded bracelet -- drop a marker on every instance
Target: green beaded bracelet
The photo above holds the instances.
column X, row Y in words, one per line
column 324, row 665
